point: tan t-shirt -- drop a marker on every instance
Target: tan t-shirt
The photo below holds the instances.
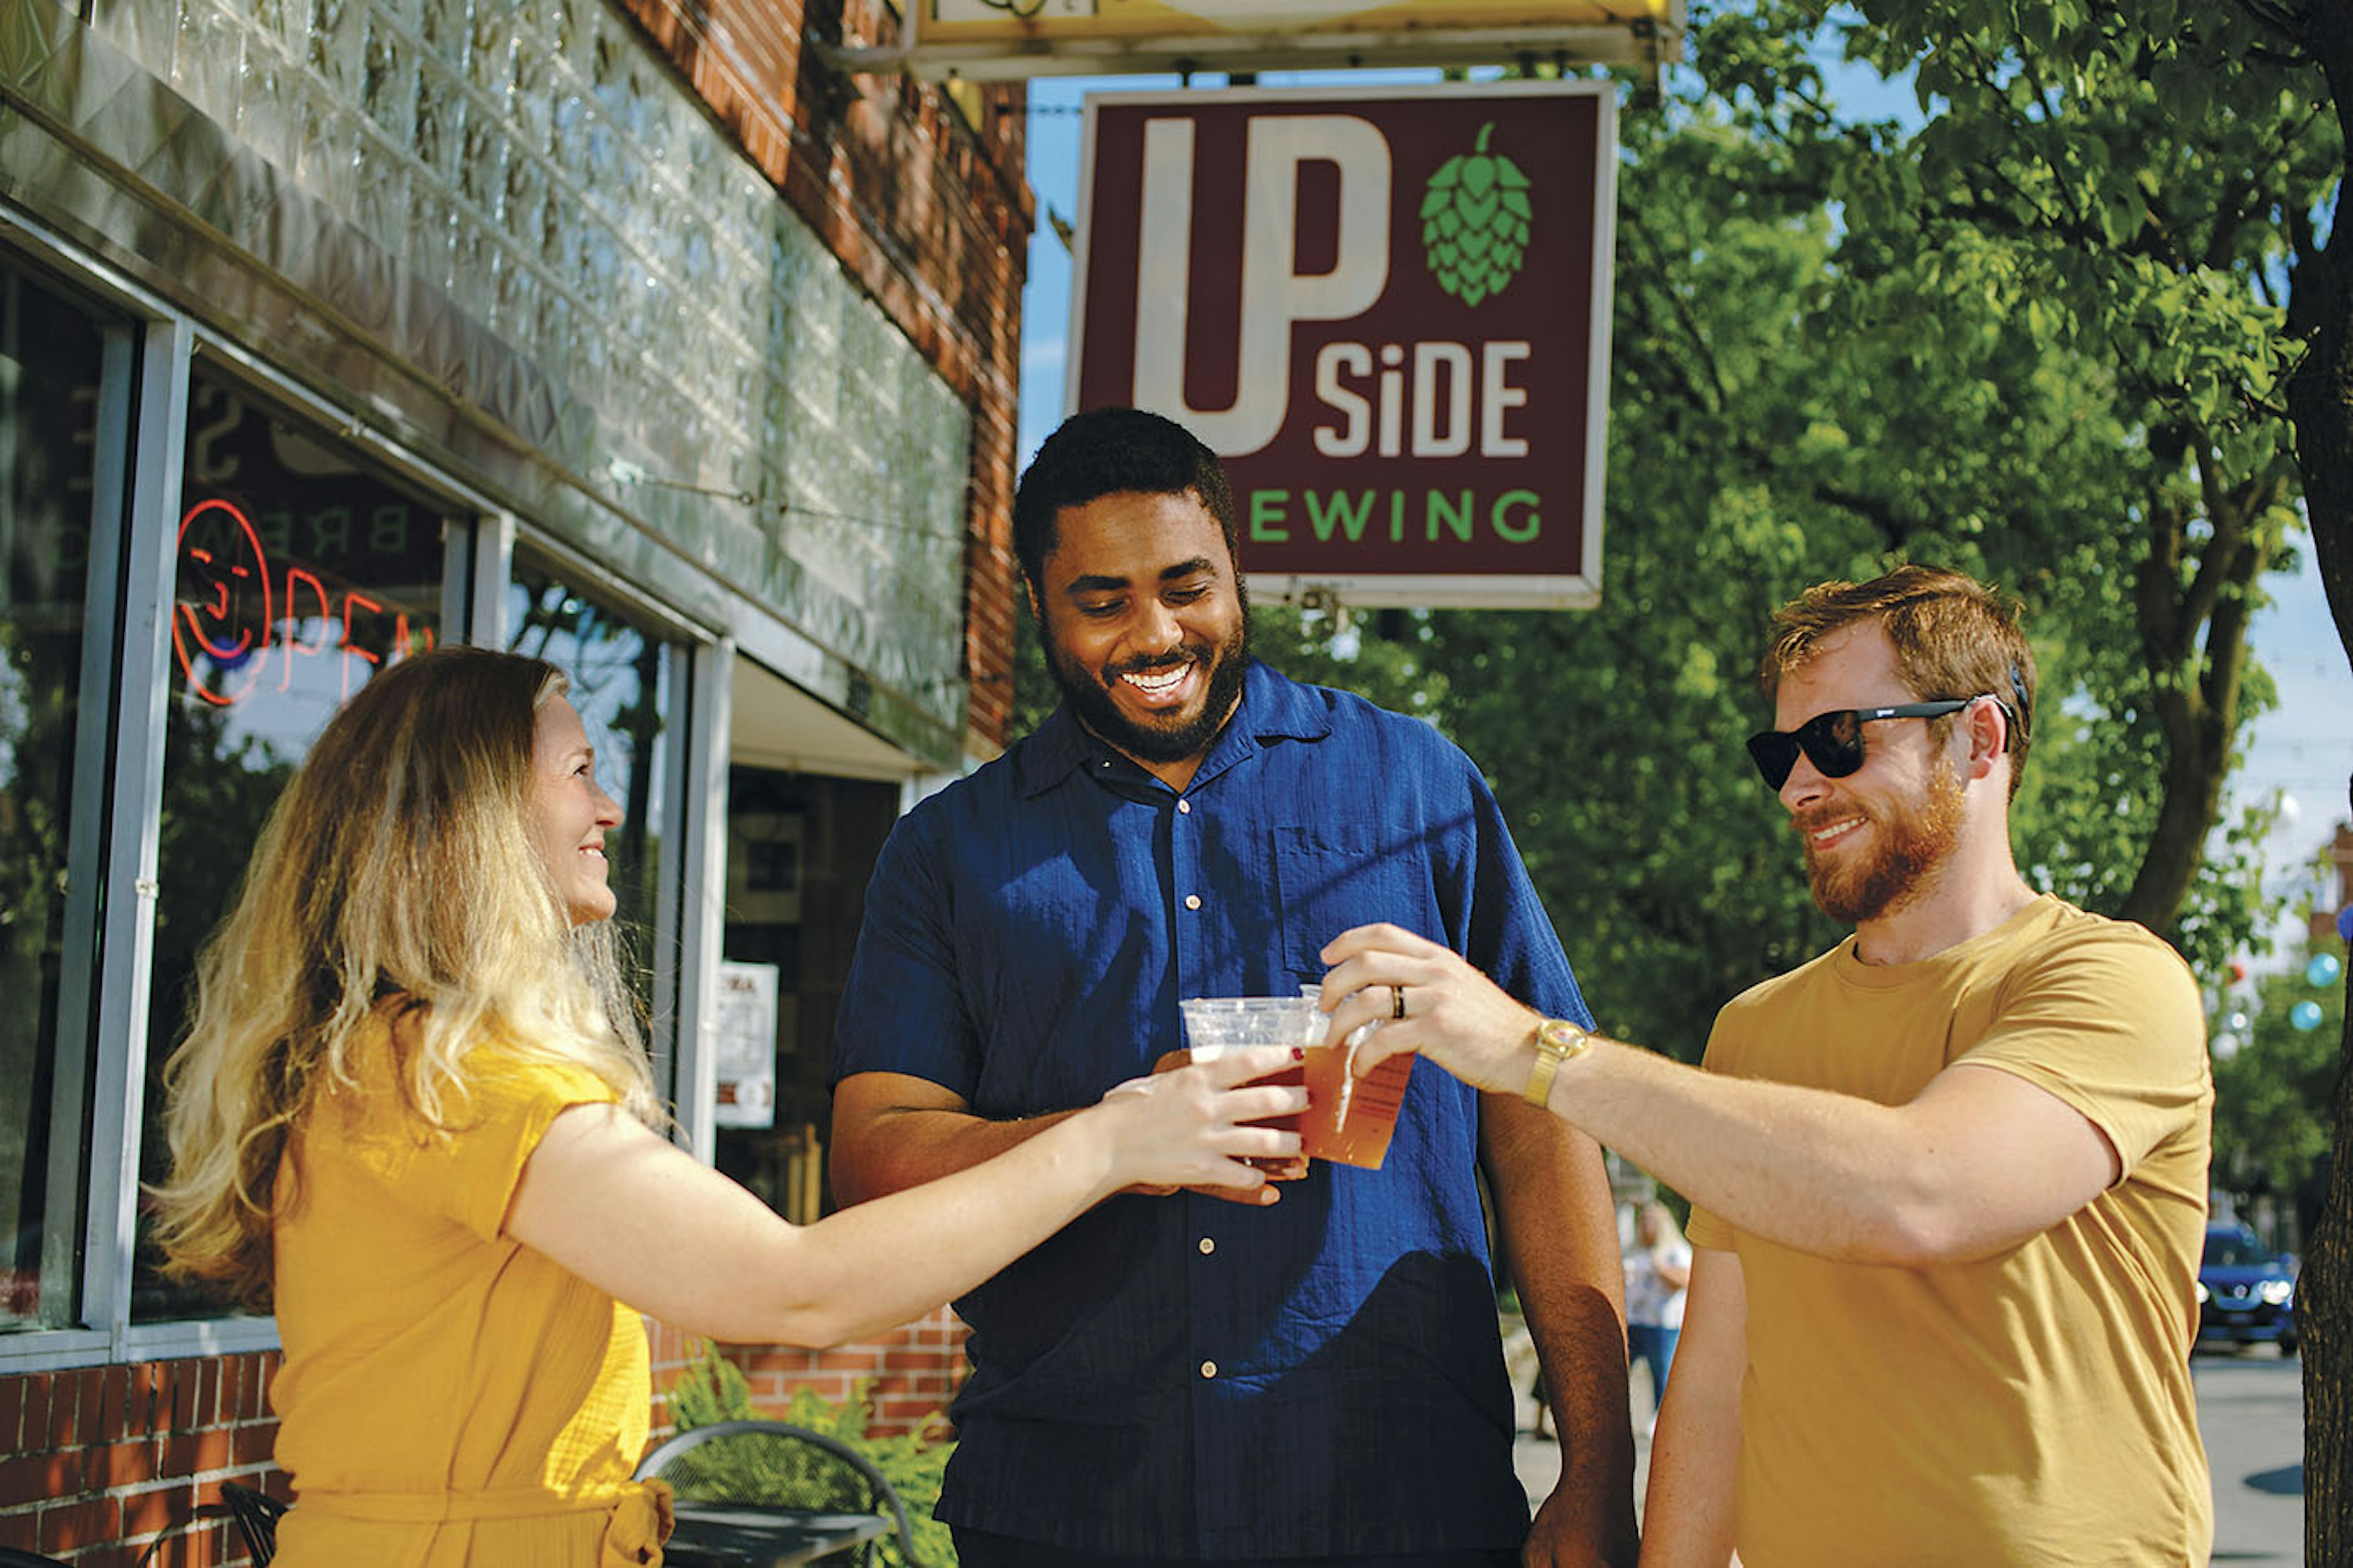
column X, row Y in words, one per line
column 2031, row 1407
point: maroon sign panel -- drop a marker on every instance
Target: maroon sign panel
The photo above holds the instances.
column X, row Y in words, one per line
column 1388, row 315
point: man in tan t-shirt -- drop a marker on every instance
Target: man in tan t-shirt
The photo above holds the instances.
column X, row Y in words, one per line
column 1948, row 1179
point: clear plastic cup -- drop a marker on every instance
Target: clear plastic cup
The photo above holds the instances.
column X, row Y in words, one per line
column 1349, row 1120
column 1215, row 1025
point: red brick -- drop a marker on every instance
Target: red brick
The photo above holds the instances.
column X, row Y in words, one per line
column 56, row 1430
column 90, row 1413
column 89, row 1522
column 19, row 1530
column 12, row 1412
column 58, row 1474
column 231, row 1390
column 126, row 1464
column 211, row 1449
column 208, row 1387
column 26, row 1478
column 256, row 1442
column 139, row 1397
column 253, row 1395
column 157, row 1508
column 182, row 1381
column 114, row 1403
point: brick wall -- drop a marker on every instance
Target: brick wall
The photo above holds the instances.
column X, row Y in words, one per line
column 95, row 1464
column 928, row 210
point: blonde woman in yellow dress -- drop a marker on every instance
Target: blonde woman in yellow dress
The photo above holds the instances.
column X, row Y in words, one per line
column 414, row 1116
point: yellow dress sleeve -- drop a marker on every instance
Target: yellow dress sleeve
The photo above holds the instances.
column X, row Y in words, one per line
column 468, row 1171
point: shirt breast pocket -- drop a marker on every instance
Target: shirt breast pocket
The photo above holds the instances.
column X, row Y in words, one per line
column 1330, row 877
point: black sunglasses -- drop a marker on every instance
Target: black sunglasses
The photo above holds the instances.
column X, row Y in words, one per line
column 1832, row 742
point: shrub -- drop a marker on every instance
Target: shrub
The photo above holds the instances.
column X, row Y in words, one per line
column 711, row 1388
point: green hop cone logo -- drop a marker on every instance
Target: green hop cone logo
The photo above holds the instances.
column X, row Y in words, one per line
column 1474, row 222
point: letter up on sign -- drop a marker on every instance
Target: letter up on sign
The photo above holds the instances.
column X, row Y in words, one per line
column 1274, row 293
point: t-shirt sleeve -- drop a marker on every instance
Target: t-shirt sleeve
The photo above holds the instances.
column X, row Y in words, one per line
column 468, row 1173
column 2113, row 1027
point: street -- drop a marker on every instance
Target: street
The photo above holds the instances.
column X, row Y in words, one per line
column 2249, row 1411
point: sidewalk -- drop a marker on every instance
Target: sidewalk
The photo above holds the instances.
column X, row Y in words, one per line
column 1538, row 1459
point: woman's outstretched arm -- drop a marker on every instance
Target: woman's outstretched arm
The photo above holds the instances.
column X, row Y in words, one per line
column 636, row 1216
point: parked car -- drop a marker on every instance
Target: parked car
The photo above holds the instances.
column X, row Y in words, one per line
column 2246, row 1293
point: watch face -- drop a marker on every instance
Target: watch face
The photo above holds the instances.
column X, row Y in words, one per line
column 1561, row 1035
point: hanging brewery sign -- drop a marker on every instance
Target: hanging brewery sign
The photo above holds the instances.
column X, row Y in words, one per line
column 1389, row 316
column 997, row 39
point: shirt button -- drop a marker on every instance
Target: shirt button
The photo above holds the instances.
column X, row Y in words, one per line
column 1184, row 808
column 1192, row 900
column 1208, row 1369
column 1207, row 1247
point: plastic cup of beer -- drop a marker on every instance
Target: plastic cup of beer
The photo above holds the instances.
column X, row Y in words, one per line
column 1216, row 1025
column 1349, row 1118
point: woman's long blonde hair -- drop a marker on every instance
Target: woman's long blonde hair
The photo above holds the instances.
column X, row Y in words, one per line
column 396, row 871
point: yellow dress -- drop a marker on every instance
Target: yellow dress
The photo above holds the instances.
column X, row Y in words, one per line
column 448, row 1397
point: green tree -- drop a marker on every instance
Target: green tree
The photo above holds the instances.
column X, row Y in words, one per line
column 2272, row 1094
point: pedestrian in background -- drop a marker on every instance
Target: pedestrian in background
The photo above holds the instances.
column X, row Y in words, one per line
column 1658, row 1268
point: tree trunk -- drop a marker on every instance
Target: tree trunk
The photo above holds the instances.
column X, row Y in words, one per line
column 2325, row 1328
column 2320, row 405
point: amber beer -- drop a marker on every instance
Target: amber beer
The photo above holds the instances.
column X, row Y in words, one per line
column 1349, row 1120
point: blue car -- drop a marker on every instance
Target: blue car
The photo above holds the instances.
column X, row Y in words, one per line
column 2246, row 1293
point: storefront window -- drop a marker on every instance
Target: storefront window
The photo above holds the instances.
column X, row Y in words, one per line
column 302, row 572
column 51, row 365
column 623, row 676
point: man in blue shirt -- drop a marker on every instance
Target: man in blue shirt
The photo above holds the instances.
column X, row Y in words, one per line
column 1310, row 1373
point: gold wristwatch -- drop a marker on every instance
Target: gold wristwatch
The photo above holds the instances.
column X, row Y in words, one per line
column 1557, row 1040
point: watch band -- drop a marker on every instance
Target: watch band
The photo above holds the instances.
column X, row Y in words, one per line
column 1557, row 1040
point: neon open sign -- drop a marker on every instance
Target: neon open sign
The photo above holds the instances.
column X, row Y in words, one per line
column 237, row 616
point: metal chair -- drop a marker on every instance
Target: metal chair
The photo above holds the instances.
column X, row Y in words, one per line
column 774, row 1464
column 255, row 1513
column 250, row 1511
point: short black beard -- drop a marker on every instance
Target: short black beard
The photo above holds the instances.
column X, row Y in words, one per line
column 1917, row 842
column 1092, row 701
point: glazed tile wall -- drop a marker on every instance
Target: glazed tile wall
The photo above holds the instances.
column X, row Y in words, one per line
column 517, row 201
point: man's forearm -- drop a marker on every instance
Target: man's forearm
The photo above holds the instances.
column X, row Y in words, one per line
column 1979, row 1162
column 1689, row 1516
column 1559, row 1228
column 890, row 1151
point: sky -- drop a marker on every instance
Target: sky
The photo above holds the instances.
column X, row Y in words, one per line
column 2300, row 754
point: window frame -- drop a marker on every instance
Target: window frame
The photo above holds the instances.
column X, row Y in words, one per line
column 97, row 1108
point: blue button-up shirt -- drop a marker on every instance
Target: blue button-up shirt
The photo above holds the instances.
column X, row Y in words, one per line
column 1180, row 1375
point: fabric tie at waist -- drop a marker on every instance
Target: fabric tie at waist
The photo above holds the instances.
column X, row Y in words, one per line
column 640, row 1516
column 639, row 1525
